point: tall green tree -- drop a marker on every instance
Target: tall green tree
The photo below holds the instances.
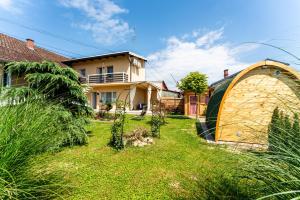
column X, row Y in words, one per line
column 50, row 81
column 195, row 82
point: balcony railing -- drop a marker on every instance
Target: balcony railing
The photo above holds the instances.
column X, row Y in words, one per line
column 105, row 78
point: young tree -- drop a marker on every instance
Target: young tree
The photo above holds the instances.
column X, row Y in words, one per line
column 50, row 81
column 195, row 82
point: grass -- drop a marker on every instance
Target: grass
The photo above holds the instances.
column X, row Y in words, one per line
column 180, row 165
column 27, row 130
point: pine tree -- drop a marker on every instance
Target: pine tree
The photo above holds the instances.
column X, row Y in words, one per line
column 296, row 131
column 287, row 135
column 274, row 129
column 50, row 81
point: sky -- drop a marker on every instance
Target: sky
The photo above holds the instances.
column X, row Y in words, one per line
column 177, row 37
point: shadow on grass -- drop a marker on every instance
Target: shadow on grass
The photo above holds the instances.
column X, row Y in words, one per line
column 208, row 135
column 38, row 183
column 137, row 118
column 225, row 188
column 177, row 117
column 199, row 129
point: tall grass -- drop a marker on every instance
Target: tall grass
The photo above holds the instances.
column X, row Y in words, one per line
column 27, row 130
column 277, row 170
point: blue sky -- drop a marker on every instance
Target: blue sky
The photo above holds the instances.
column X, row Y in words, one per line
column 177, row 36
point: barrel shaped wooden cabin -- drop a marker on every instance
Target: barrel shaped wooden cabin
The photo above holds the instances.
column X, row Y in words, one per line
column 241, row 106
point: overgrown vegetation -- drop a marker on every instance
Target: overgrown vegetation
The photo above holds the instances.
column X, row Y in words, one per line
column 117, row 128
column 278, row 169
column 157, row 118
column 27, row 130
column 45, row 114
column 47, row 80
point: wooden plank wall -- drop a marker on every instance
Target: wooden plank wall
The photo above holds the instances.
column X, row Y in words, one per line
column 249, row 106
column 173, row 104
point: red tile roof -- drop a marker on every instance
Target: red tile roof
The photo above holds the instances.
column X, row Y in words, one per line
column 12, row 49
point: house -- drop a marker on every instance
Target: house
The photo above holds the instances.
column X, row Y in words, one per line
column 107, row 77
column 190, row 103
column 113, row 76
column 241, row 105
column 12, row 49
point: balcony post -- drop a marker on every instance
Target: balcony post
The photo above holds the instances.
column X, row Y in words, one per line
column 123, row 77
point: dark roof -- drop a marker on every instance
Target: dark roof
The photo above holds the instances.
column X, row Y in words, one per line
column 12, row 49
column 217, row 83
column 123, row 53
column 214, row 103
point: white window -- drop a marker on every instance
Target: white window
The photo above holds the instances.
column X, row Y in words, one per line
column 108, row 97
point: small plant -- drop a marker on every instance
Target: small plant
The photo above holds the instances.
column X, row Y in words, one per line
column 117, row 129
column 157, row 119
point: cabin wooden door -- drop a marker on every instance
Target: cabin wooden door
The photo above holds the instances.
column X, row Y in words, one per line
column 193, row 105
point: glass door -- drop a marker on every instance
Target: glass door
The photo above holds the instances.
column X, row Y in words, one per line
column 110, row 75
column 100, row 75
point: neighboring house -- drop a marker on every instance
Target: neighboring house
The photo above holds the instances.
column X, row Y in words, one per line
column 113, row 76
column 241, row 105
column 12, row 49
column 108, row 77
column 190, row 103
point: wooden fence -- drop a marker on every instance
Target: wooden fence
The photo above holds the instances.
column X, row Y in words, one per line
column 173, row 104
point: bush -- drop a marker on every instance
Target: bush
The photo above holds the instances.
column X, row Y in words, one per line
column 117, row 129
column 284, row 133
column 157, row 119
column 27, row 130
column 278, row 169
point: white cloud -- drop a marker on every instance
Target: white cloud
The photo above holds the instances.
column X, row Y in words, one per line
column 12, row 6
column 203, row 53
column 103, row 22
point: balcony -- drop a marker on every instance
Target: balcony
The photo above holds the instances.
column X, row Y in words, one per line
column 105, row 78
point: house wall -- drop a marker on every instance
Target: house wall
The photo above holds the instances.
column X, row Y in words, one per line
column 1, row 74
column 173, row 104
column 249, row 105
column 15, row 80
column 140, row 97
column 121, row 90
column 120, row 64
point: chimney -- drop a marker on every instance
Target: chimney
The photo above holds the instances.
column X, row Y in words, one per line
column 225, row 73
column 30, row 43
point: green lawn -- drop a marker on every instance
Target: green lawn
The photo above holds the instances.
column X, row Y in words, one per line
column 180, row 165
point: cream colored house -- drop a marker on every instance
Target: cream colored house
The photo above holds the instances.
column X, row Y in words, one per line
column 115, row 76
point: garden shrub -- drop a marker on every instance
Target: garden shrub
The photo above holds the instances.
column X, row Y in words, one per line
column 117, row 129
column 157, row 118
column 27, row 130
column 283, row 132
column 278, row 169
column 50, row 81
